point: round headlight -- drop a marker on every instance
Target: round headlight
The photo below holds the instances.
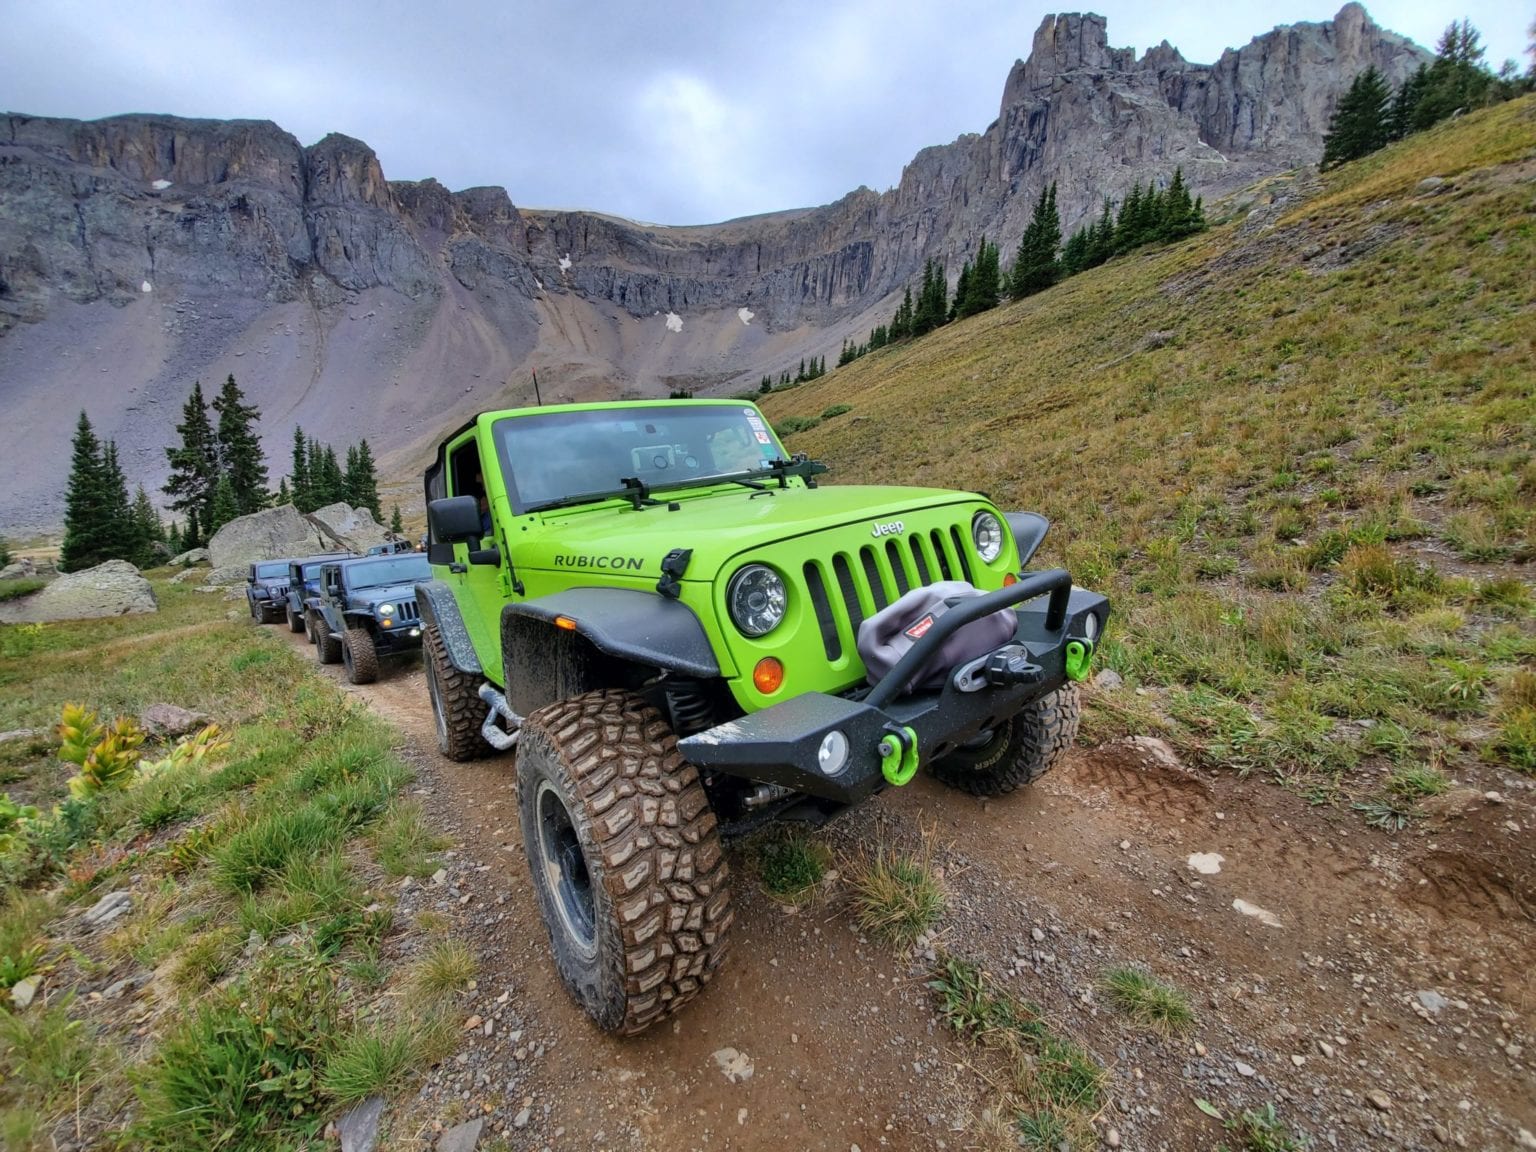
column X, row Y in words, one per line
column 756, row 599
column 386, row 609
column 987, row 533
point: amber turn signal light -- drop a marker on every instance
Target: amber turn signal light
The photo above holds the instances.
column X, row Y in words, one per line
column 768, row 676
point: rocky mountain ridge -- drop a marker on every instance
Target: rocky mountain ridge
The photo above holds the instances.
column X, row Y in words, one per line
column 139, row 253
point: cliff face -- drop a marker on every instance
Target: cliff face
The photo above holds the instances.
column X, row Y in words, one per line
column 358, row 306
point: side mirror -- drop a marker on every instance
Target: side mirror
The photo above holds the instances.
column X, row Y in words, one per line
column 454, row 518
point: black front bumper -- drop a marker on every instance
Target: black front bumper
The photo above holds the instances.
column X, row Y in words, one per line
column 781, row 744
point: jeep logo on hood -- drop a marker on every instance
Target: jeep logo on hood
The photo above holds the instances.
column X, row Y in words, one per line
column 890, row 528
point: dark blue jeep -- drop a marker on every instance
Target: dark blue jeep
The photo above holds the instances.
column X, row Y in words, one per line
column 266, row 590
column 304, row 591
column 367, row 609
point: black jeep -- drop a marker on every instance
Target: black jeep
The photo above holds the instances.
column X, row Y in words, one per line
column 266, row 590
column 304, row 589
column 367, row 609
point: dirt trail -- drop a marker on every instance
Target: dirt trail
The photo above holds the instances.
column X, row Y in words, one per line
column 1397, row 970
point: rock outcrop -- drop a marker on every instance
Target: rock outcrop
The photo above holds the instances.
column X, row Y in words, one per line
column 271, row 534
column 360, row 307
column 348, row 529
column 114, row 588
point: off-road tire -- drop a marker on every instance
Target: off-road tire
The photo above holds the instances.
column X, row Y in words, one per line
column 360, row 656
column 639, row 926
column 255, row 611
column 327, row 647
column 1019, row 752
column 296, row 622
column 312, row 625
column 456, row 705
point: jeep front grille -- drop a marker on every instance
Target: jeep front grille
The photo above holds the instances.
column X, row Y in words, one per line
column 851, row 587
column 407, row 610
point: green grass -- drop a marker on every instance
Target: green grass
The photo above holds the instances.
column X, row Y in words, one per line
column 405, row 844
column 1147, row 1001
column 897, row 896
column 1278, row 502
column 24, row 586
column 1052, row 1086
column 1261, row 1130
column 791, row 865
column 446, row 968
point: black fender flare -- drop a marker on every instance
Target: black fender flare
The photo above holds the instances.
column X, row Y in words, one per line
column 640, row 627
column 1029, row 529
column 439, row 609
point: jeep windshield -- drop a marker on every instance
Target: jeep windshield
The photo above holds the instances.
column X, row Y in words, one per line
column 382, row 573
column 575, row 457
column 278, row 571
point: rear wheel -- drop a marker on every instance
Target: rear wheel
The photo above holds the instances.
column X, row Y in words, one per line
column 1019, row 751
column 327, row 647
column 295, row 621
column 360, row 656
column 456, row 704
column 625, row 858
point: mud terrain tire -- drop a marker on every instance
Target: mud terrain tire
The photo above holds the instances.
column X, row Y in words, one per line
column 1019, row 752
column 625, row 858
column 327, row 647
column 295, row 621
column 312, row 625
column 457, row 708
column 360, row 656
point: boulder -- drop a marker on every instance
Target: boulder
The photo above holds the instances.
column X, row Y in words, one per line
column 352, row 529
column 20, row 570
column 271, row 534
column 167, row 721
column 190, row 557
column 111, row 589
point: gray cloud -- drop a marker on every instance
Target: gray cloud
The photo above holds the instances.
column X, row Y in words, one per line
column 675, row 113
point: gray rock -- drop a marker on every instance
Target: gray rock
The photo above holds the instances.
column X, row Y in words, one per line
column 190, row 557
column 522, row 1118
column 114, row 588
column 1432, row 1001
column 24, row 991
column 270, row 534
column 19, row 570
column 1108, row 679
column 167, row 721
column 461, row 1138
column 1379, row 1100
column 352, row 529
column 108, row 908
column 359, row 1128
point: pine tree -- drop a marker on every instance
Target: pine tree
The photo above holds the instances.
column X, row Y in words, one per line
column 1035, row 265
column 122, row 541
column 173, row 541
column 1102, row 245
column 191, row 538
column 225, row 504
column 332, row 488
column 87, row 531
column 1075, row 253
column 239, row 448
column 1179, row 217
column 980, row 284
column 932, row 307
column 1402, row 116
column 195, row 463
column 148, row 532
column 282, row 495
column 1361, row 123
column 396, row 525
column 362, row 482
column 299, row 470
column 1457, row 80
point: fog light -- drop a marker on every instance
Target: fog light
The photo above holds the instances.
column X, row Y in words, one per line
column 832, row 756
column 768, row 676
column 415, row 631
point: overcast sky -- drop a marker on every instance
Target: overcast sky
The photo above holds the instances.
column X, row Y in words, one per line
column 671, row 112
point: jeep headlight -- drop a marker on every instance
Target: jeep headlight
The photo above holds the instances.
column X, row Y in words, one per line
column 386, row 609
column 756, row 599
column 987, row 535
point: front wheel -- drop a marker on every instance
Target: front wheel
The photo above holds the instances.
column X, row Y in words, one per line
column 456, row 705
column 1018, row 751
column 625, row 858
column 327, row 647
column 295, row 621
column 360, row 656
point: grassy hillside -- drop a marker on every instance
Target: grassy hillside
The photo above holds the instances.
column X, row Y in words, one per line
column 1296, row 451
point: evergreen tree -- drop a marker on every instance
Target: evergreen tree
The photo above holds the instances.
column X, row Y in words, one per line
column 362, row 482
column 87, row 530
column 122, row 542
column 1457, row 81
column 195, row 463
column 1102, row 241
column 932, row 305
column 173, row 541
column 191, row 539
column 901, row 323
column 1179, row 215
column 225, row 504
column 1075, row 253
column 299, row 469
column 239, row 448
column 1035, row 265
column 1403, row 114
column 984, row 284
column 282, row 495
column 396, row 525
column 1361, row 123
column 148, row 532
column 332, row 487
column 962, row 291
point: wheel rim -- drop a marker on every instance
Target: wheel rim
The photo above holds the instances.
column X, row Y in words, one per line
column 564, row 870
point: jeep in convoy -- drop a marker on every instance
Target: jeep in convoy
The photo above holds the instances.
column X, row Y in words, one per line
column 266, row 590
column 684, row 638
column 304, row 591
column 366, row 611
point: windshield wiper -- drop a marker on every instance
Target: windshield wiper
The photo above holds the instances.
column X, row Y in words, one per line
column 573, row 501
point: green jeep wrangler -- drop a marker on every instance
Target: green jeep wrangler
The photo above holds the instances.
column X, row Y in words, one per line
column 660, row 610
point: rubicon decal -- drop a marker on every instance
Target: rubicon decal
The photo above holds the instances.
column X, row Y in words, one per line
column 890, row 528
column 607, row 563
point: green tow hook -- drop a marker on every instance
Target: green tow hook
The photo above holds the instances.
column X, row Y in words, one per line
column 898, row 755
column 1079, row 653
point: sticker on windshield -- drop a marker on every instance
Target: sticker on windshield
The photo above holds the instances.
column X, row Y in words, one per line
column 749, row 413
column 755, row 421
column 762, row 437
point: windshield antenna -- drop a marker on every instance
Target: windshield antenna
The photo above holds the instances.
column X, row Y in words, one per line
column 638, row 491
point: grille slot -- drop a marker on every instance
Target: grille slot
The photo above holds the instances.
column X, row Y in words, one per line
column 941, row 553
column 407, row 610
column 920, row 560
column 898, row 569
column 825, row 620
column 965, row 563
column 873, row 576
column 852, row 604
